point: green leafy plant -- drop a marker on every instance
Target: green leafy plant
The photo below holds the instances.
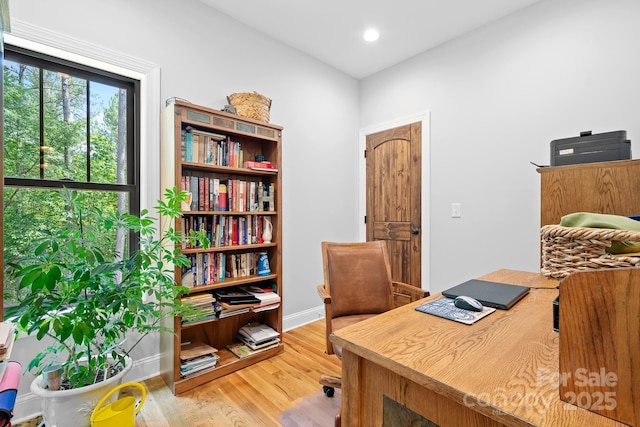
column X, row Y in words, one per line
column 75, row 289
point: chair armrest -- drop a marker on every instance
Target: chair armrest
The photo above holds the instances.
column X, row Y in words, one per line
column 326, row 299
column 404, row 293
column 324, row 294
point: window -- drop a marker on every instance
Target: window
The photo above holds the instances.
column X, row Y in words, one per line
column 66, row 125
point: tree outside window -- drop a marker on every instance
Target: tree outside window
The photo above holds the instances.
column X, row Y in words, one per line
column 65, row 126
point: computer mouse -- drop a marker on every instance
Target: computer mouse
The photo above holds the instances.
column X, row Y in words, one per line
column 467, row 303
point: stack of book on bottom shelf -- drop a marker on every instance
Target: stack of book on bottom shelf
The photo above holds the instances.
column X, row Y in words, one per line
column 197, row 357
column 254, row 338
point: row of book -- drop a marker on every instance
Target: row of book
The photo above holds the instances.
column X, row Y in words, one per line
column 210, row 148
column 214, row 267
column 232, row 301
column 233, row 195
column 196, row 358
column 224, row 230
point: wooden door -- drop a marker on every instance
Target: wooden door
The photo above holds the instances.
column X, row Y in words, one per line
column 393, row 191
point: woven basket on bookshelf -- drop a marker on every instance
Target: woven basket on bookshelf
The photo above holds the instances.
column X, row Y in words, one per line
column 569, row 249
column 251, row 105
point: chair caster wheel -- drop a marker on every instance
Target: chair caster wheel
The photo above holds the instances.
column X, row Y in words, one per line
column 328, row 391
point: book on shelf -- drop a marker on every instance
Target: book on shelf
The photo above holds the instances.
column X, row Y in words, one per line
column 215, row 136
column 199, row 319
column 188, row 147
column 264, row 169
column 222, row 199
column 224, row 313
column 7, row 332
column 199, row 367
column 258, row 345
column 223, row 230
column 265, row 307
column 205, row 303
column 183, row 145
column 7, row 338
column 255, row 164
column 192, row 349
column 228, row 306
column 215, row 194
column 257, row 334
column 201, row 146
column 204, row 298
column 268, row 298
column 241, row 350
column 268, row 166
column 228, row 195
column 206, row 268
column 196, row 357
column 197, row 362
column 235, row 296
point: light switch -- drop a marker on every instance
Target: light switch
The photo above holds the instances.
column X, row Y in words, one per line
column 455, row 210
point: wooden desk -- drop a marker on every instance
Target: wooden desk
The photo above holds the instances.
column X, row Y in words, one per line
column 500, row 371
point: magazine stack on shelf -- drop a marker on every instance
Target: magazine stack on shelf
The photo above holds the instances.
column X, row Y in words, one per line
column 258, row 336
column 197, row 357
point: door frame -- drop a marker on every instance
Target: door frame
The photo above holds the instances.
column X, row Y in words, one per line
column 424, row 118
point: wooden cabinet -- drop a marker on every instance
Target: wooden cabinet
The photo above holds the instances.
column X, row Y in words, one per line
column 604, row 187
column 222, row 134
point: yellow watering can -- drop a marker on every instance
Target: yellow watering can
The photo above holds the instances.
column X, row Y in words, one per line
column 122, row 412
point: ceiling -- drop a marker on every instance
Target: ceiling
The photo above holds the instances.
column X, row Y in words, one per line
column 331, row 30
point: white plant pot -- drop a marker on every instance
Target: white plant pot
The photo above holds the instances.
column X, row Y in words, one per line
column 73, row 408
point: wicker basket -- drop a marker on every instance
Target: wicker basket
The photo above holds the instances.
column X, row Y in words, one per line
column 251, row 105
column 569, row 249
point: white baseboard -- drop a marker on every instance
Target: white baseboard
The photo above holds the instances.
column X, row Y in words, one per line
column 28, row 405
column 302, row 318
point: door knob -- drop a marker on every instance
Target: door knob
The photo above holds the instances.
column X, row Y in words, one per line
column 415, row 230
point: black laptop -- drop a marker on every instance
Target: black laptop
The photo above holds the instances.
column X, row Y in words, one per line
column 490, row 294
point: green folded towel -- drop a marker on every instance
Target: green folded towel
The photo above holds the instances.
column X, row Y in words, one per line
column 615, row 222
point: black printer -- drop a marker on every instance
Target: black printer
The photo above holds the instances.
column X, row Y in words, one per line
column 590, row 147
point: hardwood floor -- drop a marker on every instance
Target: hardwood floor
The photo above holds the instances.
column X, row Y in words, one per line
column 254, row 396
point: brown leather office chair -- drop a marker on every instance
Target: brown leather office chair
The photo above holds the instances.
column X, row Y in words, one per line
column 358, row 285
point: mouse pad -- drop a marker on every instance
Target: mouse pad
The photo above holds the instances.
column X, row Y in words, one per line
column 444, row 308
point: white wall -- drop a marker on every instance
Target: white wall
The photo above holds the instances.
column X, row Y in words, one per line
column 497, row 97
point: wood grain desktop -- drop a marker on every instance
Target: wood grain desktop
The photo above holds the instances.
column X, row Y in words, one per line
column 500, row 371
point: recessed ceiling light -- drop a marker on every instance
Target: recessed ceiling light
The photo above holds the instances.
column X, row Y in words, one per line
column 371, row 35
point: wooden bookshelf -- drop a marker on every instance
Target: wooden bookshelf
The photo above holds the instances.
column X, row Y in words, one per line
column 213, row 163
